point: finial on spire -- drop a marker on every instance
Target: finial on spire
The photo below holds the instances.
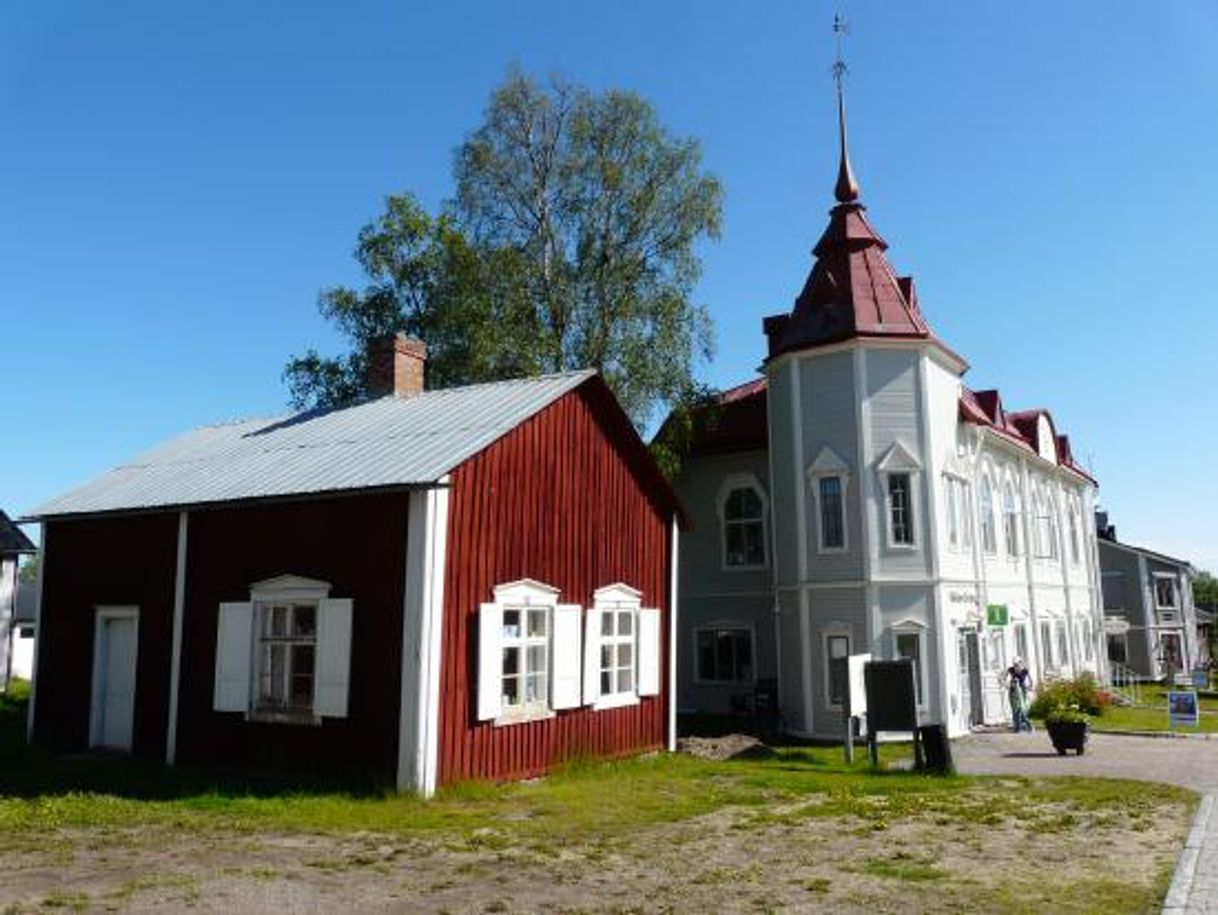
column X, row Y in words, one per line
column 847, row 189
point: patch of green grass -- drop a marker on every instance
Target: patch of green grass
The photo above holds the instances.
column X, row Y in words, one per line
column 905, row 867
column 77, row 902
column 1150, row 718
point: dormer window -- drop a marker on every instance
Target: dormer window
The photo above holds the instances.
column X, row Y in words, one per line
column 742, row 509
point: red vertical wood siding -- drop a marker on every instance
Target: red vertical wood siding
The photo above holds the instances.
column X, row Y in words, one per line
column 560, row 500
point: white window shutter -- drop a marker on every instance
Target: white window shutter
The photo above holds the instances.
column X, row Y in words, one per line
column 234, row 654
column 490, row 661
column 567, row 660
column 649, row 652
column 592, row 656
column 333, row 672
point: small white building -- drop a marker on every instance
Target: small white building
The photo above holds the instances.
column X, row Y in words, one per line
column 858, row 497
column 16, row 634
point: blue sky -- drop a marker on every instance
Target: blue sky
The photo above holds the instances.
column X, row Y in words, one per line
column 178, row 181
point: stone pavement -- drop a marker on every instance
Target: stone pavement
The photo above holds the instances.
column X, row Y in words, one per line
column 1191, row 762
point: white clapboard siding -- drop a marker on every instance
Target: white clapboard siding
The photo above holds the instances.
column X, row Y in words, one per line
column 333, row 658
column 649, row 652
column 567, row 659
column 592, row 656
column 234, row 656
column 490, row 661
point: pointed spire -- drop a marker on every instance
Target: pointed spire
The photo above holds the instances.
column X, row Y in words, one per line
column 847, row 189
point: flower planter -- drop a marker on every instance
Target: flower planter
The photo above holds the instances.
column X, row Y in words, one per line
column 1067, row 735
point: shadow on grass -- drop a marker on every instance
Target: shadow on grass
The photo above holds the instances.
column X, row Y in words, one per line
column 32, row 772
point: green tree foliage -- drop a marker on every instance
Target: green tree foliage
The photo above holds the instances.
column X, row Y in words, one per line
column 570, row 243
column 1205, row 591
column 28, row 573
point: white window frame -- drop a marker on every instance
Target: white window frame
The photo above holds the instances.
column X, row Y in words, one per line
column 890, row 509
column 838, row 631
column 1012, row 511
column 1053, row 532
column 525, row 595
column 1062, row 633
column 951, row 496
column 1073, row 522
column 265, row 640
column 918, row 630
column 827, row 466
column 717, row 626
column 1157, row 579
column 617, row 598
column 730, row 484
column 898, row 460
column 989, row 524
column 1021, row 641
column 1046, row 645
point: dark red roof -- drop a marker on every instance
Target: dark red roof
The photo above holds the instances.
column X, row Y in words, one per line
column 734, row 421
column 984, row 408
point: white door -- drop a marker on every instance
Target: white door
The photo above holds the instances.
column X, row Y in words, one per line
column 114, row 682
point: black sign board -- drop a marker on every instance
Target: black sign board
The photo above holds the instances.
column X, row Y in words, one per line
column 891, row 701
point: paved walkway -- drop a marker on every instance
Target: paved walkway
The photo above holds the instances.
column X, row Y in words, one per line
column 1186, row 761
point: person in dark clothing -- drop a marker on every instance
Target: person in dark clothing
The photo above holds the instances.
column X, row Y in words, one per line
column 1019, row 688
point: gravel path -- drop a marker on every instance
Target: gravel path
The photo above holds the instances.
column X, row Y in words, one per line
column 1190, row 762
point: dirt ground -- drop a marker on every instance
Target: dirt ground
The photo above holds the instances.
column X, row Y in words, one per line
column 755, row 859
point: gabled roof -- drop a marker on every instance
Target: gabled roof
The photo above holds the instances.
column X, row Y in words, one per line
column 1022, row 428
column 388, row 442
column 735, row 421
column 12, row 540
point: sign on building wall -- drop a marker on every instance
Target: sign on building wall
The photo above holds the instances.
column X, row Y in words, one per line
column 997, row 615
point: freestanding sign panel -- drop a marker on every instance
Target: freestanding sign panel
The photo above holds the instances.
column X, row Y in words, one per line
column 1182, row 709
column 891, row 701
column 856, row 685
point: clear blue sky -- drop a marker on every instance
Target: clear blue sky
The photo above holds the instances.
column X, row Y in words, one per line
column 177, row 182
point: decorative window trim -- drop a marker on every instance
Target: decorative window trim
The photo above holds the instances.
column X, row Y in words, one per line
column 919, row 629
column 834, row 630
column 1157, row 577
column 730, row 484
column 732, row 626
column 828, row 465
column 899, row 459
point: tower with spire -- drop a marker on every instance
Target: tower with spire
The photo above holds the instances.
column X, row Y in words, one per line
column 859, row 499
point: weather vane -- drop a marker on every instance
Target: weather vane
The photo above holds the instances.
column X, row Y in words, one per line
column 841, row 28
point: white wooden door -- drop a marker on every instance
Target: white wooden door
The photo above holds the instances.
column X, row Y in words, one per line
column 116, row 702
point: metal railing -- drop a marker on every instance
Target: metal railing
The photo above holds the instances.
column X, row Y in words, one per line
column 1126, row 684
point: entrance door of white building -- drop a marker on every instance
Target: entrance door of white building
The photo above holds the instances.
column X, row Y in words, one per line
column 970, row 677
column 115, row 651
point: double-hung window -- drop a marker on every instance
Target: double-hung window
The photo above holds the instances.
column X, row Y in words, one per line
column 1063, row 644
column 953, row 511
column 837, row 673
column 1165, row 592
column 526, row 658
column 724, row 654
column 742, row 514
column 900, row 509
column 908, row 644
column 1010, row 520
column 617, row 652
column 287, row 647
column 1073, row 518
column 1046, row 644
column 989, row 539
column 832, row 514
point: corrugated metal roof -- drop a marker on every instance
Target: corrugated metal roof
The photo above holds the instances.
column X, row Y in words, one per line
column 386, row 442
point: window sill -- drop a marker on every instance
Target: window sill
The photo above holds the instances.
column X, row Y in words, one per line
column 266, row 716
column 616, row 701
column 523, row 716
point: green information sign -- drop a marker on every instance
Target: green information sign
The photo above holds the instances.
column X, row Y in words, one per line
column 996, row 615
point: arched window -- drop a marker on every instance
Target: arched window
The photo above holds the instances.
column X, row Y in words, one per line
column 1074, row 550
column 1010, row 520
column 989, row 539
column 743, row 514
column 1051, row 530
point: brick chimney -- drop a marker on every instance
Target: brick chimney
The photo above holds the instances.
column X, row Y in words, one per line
column 395, row 366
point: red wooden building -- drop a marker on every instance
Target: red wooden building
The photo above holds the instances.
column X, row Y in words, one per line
column 426, row 587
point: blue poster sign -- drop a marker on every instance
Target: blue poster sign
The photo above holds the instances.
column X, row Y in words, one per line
column 1182, row 709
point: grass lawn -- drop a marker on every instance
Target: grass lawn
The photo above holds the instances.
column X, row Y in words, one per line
column 796, row 830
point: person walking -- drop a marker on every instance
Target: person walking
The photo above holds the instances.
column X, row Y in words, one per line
column 1019, row 686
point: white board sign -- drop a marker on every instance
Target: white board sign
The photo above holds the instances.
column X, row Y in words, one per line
column 856, row 686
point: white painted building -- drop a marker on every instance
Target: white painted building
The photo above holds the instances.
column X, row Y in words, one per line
column 858, row 497
column 16, row 635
